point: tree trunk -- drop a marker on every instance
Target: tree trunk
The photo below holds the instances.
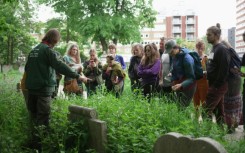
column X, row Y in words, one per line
column 67, row 34
column 12, row 50
column 67, row 30
column 104, row 44
column 1, row 68
column 8, row 50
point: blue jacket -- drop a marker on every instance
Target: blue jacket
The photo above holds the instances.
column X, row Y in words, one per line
column 120, row 59
column 183, row 68
column 149, row 73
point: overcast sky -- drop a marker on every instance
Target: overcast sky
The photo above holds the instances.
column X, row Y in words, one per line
column 209, row 12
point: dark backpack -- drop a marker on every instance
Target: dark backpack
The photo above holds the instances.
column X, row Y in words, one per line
column 197, row 64
column 235, row 61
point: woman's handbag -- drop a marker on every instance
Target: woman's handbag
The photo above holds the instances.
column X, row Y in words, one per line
column 71, row 86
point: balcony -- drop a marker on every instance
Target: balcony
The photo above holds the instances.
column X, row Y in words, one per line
column 176, row 30
column 190, row 22
column 190, row 30
column 176, row 21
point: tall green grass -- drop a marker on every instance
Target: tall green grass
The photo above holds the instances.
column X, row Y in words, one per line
column 133, row 123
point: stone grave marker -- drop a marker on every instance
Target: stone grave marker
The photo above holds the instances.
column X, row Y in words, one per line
column 177, row 143
column 97, row 129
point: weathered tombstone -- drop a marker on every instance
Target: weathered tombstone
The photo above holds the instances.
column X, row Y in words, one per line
column 177, row 143
column 97, row 129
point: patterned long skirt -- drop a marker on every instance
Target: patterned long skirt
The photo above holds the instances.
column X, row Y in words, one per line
column 233, row 103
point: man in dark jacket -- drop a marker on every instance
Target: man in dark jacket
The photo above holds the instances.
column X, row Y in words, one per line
column 41, row 68
column 243, row 92
column 217, row 74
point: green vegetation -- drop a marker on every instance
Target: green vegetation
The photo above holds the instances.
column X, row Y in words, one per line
column 133, row 124
column 103, row 21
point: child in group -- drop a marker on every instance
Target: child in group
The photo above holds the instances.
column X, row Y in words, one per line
column 148, row 71
column 113, row 75
column 137, row 51
column 113, row 51
column 118, row 58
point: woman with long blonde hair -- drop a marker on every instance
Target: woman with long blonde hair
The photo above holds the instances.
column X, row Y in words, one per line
column 73, row 59
column 72, row 55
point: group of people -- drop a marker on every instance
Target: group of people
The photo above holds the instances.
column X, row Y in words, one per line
column 171, row 69
column 112, row 73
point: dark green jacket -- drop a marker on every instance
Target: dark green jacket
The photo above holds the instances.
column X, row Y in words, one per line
column 40, row 70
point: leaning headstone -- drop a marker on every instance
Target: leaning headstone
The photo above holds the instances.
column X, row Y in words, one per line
column 177, row 143
column 97, row 129
column 88, row 113
column 98, row 135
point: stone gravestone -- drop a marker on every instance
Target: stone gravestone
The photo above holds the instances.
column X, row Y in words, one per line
column 97, row 129
column 177, row 143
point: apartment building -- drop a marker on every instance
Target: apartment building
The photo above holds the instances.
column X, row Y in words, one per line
column 149, row 35
column 175, row 26
column 153, row 35
column 231, row 36
column 185, row 27
column 240, row 26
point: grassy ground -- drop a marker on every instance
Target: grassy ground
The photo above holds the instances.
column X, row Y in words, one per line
column 133, row 123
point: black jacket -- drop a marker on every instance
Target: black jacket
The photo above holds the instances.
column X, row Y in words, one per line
column 133, row 67
column 218, row 66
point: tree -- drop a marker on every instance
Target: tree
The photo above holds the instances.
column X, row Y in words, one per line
column 184, row 43
column 106, row 20
column 14, row 30
column 208, row 46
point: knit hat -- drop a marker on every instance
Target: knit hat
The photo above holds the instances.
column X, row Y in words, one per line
column 169, row 46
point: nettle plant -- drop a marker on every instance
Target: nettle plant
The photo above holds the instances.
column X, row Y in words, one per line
column 133, row 124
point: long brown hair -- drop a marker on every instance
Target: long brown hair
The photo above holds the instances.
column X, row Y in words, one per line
column 77, row 57
column 152, row 59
